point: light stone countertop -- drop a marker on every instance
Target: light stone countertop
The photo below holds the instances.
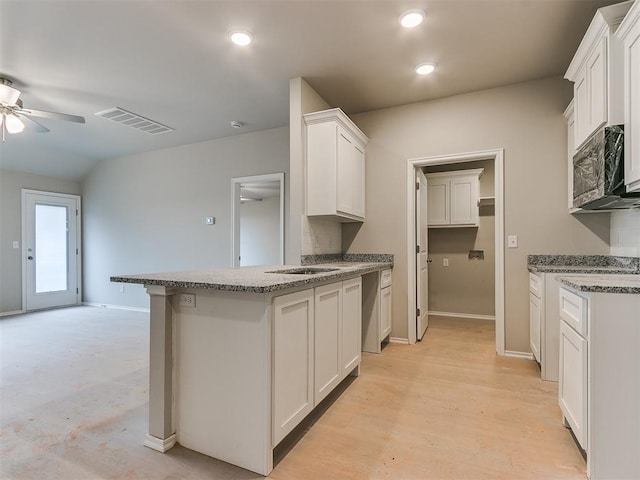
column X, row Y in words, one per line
column 606, row 283
column 251, row 279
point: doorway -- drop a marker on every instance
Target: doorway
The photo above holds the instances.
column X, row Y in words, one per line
column 418, row 164
column 258, row 220
column 51, row 266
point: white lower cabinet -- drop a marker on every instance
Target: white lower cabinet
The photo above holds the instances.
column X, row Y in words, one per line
column 599, row 385
column 316, row 343
column 572, row 391
column 385, row 312
column 535, row 316
column 293, row 345
column 328, row 313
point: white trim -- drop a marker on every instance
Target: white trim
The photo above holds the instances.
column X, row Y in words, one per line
column 512, row 354
column 15, row 312
column 497, row 156
column 404, row 341
column 464, row 315
column 235, row 212
column 158, row 444
column 116, row 307
column 78, row 199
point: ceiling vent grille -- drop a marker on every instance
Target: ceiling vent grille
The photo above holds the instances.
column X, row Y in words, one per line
column 133, row 120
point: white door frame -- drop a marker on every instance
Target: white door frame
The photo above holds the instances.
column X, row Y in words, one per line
column 23, row 251
column 235, row 212
column 498, row 157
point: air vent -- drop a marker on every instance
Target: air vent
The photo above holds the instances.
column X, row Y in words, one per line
column 133, row 120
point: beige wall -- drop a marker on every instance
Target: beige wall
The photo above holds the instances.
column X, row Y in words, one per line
column 524, row 119
column 465, row 286
column 11, row 184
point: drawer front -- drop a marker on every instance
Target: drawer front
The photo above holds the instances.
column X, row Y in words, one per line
column 385, row 278
column 535, row 284
column 574, row 310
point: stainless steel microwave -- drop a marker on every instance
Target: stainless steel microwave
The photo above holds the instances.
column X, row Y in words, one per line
column 598, row 173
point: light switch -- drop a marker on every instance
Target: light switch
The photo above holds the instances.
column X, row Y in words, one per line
column 512, row 241
column 210, row 220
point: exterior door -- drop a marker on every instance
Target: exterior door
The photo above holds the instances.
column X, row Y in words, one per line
column 422, row 256
column 51, row 242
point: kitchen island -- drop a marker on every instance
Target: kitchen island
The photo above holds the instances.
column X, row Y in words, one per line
column 239, row 357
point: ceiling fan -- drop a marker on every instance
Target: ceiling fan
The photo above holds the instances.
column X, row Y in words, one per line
column 12, row 111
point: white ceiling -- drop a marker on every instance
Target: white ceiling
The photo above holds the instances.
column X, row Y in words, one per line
column 171, row 61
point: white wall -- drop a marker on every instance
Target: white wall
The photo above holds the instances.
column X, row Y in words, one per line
column 625, row 233
column 146, row 212
column 11, row 184
column 260, row 232
column 524, row 119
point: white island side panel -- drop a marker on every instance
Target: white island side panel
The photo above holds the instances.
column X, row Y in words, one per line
column 223, row 374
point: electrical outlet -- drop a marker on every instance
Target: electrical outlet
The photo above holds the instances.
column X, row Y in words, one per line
column 122, row 288
column 512, row 241
column 210, row 220
column 445, row 262
column 187, row 300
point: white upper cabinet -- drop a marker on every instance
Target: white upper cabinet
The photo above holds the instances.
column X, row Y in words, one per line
column 596, row 70
column 629, row 34
column 453, row 198
column 335, row 166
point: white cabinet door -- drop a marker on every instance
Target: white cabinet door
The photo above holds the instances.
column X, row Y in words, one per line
column 597, row 86
column 572, row 385
column 351, row 325
column 438, row 201
column 464, row 200
column 328, row 339
column 581, row 106
column 358, row 181
column 293, row 319
column 385, row 312
column 344, row 200
column 535, row 315
column 631, row 41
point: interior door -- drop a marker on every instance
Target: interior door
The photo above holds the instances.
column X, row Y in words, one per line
column 422, row 256
column 51, row 249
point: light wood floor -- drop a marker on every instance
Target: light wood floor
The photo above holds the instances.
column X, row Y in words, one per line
column 73, row 407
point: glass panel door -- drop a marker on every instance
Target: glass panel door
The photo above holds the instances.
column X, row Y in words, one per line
column 51, row 237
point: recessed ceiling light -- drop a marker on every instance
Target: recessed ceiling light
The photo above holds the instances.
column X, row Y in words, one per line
column 241, row 37
column 425, row 69
column 411, row 18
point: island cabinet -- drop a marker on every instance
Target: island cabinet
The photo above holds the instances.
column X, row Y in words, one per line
column 335, row 150
column 599, row 386
column 629, row 33
column 596, row 73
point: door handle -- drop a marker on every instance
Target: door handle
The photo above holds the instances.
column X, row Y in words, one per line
column 29, row 257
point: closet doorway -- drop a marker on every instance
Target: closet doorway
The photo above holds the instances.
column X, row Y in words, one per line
column 494, row 159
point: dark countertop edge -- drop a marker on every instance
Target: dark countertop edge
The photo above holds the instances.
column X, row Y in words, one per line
column 596, row 288
column 362, row 270
column 582, row 270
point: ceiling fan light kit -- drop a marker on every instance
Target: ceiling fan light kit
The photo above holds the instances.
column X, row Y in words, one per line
column 11, row 110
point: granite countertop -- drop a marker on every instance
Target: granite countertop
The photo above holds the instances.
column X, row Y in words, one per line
column 253, row 279
column 604, row 283
column 596, row 264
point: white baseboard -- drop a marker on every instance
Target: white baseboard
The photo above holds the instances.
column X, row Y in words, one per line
column 525, row 355
column 464, row 315
column 117, row 307
column 15, row 312
column 158, row 444
column 404, row 341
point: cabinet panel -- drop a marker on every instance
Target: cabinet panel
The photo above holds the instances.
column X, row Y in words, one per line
column 328, row 338
column 632, row 113
column 597, row 86
column 535, row 316
column 572, row 387
column 351, row 324
column 358, row 181
column 581, row 105
column 385, row 312
column 293, row 319
column 574, row 311
column 464, row 201
column 345, row 172
column 438, row 198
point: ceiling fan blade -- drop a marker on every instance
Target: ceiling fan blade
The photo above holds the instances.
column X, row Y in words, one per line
column 35, row 126
column 53, row 115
